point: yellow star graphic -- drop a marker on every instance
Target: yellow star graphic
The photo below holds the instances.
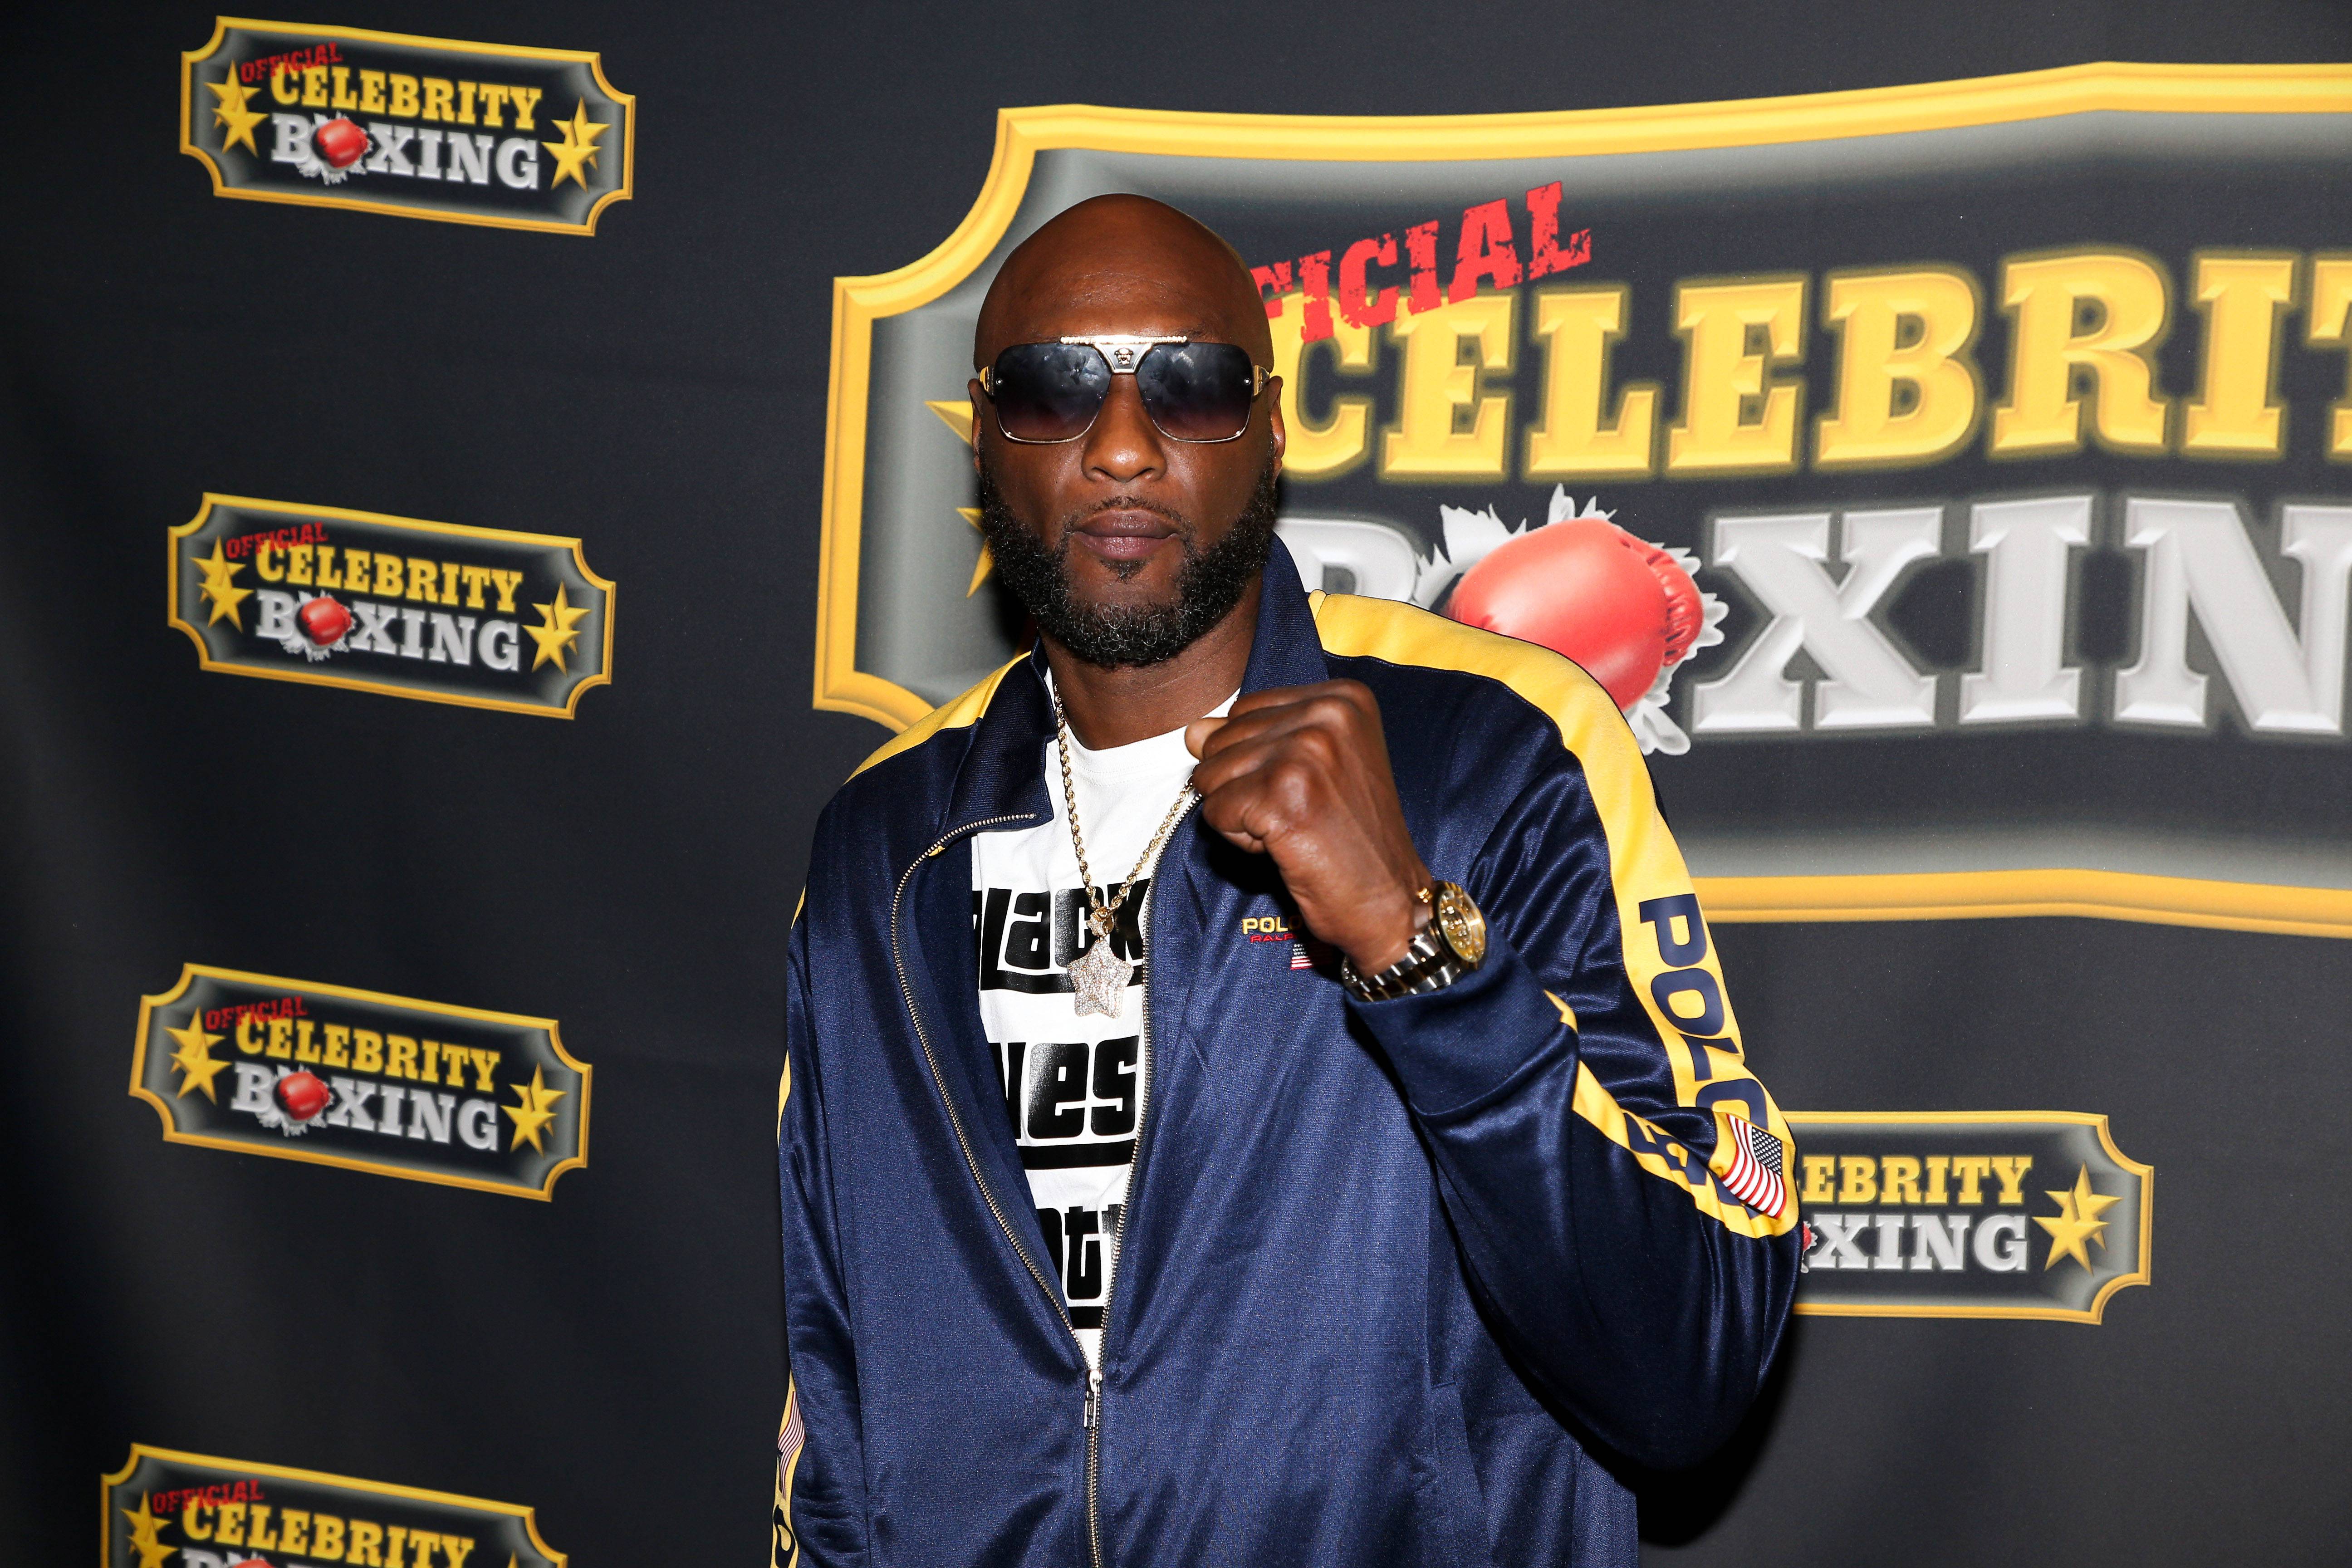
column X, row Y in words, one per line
column 143, row 1539
column 987, row 562
column 231, row 112
column 2078, row 1221
column 194, row 1056
column 532, row 1115
column 558, row 632
column 578, row 147
column 217, row 570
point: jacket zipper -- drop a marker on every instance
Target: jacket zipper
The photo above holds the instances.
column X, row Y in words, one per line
column 955, row 1121
column 1091, row 1416
column 1118, row 1234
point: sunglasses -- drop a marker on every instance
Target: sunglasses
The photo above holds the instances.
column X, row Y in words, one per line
column 1045, row 393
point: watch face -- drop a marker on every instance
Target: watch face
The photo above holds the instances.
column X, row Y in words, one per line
column 1464, row 928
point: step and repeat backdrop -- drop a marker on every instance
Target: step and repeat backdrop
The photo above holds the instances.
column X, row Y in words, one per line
column 1951, row 482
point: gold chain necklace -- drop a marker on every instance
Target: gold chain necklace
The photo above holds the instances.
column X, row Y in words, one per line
column 1099, row 976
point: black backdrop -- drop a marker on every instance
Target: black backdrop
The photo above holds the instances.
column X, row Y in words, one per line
column 612, row 1358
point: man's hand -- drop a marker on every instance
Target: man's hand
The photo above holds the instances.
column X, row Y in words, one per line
column 1301, row 773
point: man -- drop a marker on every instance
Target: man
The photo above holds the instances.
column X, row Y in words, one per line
column 1346, row 1165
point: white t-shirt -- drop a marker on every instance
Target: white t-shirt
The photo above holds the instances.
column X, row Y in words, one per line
column 1074, row 1085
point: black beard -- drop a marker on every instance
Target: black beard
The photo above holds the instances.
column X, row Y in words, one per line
column 1208, row 585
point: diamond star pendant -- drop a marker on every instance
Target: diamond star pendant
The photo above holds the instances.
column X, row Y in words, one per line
column 1100, row 977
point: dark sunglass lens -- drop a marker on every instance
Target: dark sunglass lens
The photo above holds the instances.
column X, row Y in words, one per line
column 1197, row 391
column 1048, row 391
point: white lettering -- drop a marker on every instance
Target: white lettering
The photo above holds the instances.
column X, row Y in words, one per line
column 2025, row 546
column 277, row 620
column 1990, row 1250
column 2198, row 555
column 1784, row 560
column 477, row 1123
column 505, row 654
column 517, row 163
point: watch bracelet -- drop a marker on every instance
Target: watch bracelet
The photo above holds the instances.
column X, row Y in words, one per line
column 1429, row 964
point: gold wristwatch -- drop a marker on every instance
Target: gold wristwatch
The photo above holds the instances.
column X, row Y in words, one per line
column 1450, row 946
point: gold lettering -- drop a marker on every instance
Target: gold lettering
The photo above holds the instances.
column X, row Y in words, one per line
column 1435, row 390
column 395, row 1537
column 2086, row 315
column 338, row 1038
column 281, row 1038
column 506, row 583
column 494, row 106
column 432, row 1050
column 2237, row 413
column 244, row 1040
column 465, row 103
column 304, row 1051
column 265, row 560
column 367, row 1051
column 1908, row 383
column 526, row 98
column 328, row 576
column 458, row 1548
column 2330, row 326
column 1861, row 1173
column 228, row 1524
column 343, row 98
column 1971, row 1169
column 189, row 1524
column 1939, row 1166
column 298, row 565
column 370, row 92
column 387, row 575
column 294, row 1531
column 282, row 87
column 1898, row 1180
column 326, row 1538
column 2011, row 1173
column 485, row 1062
column 366, row 1538
column 404, row 96
column 449, row 582
column 422, row 575
column 314, row 87
column 404, row 1056
column 1735, row 417
column 438, row 92
column 257, row 1534
column 1343, row 440
column 475, row 577
column 1579, row 328
column 1821, row 1179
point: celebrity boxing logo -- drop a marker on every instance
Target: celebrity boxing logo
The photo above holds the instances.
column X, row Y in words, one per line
column 422, row 127
column 1892, row 467
column 170, row 1509
column 1994, row 1214
column 324, row 1073
column 488, row 617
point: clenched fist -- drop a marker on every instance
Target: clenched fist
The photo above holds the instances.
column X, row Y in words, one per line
column 1301, row 773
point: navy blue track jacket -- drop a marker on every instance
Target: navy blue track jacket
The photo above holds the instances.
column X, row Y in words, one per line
column 1391, row 1273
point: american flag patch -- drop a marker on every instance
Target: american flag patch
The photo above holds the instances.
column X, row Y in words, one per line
column 791, row 1434
column 1751, row 1163
column 1299, row 959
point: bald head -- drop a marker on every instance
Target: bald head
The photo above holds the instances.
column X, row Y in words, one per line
column 1122, row 263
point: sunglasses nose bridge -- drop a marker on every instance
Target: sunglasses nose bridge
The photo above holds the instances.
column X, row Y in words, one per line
column 1124, row 443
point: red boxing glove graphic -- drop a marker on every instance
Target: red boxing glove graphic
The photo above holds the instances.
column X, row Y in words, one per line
column 1584, row 587
column 323, row 621
column 339, row 143
column 301, row 1095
